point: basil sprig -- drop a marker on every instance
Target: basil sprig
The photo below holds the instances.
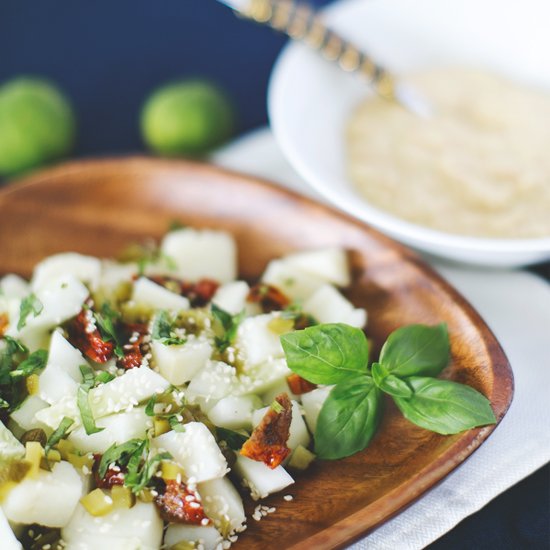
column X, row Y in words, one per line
column 410, row 359
column 30, row 304
column 83, row 400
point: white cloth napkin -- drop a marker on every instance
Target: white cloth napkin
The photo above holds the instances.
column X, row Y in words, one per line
column 516, row 305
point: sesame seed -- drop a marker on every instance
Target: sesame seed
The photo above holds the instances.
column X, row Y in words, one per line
column 288, row 498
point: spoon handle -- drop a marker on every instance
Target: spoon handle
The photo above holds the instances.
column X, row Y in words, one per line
column 302, row 23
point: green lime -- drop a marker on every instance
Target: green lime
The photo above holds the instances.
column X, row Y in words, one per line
column 186, row 118
column 37, row 124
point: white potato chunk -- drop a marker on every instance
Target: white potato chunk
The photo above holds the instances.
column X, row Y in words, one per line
column 7, row 536
column 276, row 389
column 136, row 528
column 329, row 264
column 207, row 537
column 231, row 297
column 312, row 402
column 261, row 479
column 61, row 298
column 24, row 416
column 14, row 286
column 118, row 428
column 155, row 296
column 256, row 342
column 234, row 412
column 114, row 273
column 62, row 374
column 216, row 380
column 202, row 253
column 53, row 415
column 195, row 450
column 262, row 378
column 179, row 363
column 48, row 499
column 327, row 305
column 298, row 285
column 298, row 430
column 222, row 504
column 86, row 269
column 10, row 447
column 130, row 389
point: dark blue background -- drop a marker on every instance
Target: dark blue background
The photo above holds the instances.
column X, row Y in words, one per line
column 109, row 54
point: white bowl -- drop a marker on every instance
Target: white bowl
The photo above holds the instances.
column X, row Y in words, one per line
column 310, row 99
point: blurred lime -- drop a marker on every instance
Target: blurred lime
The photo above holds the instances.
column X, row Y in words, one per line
column 186, row 118
column 36, row 124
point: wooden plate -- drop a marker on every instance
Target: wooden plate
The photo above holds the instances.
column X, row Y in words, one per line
column 98, row 207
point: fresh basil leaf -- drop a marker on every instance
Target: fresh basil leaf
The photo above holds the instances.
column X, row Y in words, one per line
column 119, row 454
column 34, row 363
column 58, row 434
column 445, row 407
column 234, row 440
column 389, row 383
column 326, row 354
column 150, row 407
column 83, row 401
column 349, row 418
column 141, row 467
column 14, row 345
column 30, row 304
column 416, row 350
column 106, row 321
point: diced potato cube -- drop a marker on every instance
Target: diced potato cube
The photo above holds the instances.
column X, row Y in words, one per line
column 118, row 428
column 207, row 537
column 7, row 536
column 261, row 479
column 150, row 294
column 195, row 450
column 298, row 430
column 216, row 380
column 329, row 264
column 327, row 305
column 256, row 342
column 14, row 286
column 130, row 389
column 86, row 269
column 10, row 446
column 24, row 416
column 202, row 254
column 114, row 273
column 234, row 412
column 53, row 415
column 263, row 377
column 231, row 297
column 312, row 402
column 49, row 499
column 62, row 374
column 295, row 283
column 223, row 504
column 179, row 363
column 136, row 528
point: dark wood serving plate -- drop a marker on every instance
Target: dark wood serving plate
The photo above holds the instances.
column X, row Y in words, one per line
column 99, row 207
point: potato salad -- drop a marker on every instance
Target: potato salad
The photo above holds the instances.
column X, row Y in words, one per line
column 142, row 399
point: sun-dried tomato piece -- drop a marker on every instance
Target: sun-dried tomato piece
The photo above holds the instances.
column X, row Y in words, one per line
column 84, row 335
column 133, row 350
column 179, row 504
column 269, row 297
column 4, row 323
column 299, row 385
column 113, row 476
column 268, row 442
column 203, row 291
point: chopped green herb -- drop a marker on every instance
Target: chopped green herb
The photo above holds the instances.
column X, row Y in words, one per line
column 104, row 377
column 164, row 330
column 34, row 363
column 227, row 326
column 106, row 321
column 83, row 401
column 30, row 304
column 175, row 424
column 119, row 454
column 58, row 434
column 277, row 407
